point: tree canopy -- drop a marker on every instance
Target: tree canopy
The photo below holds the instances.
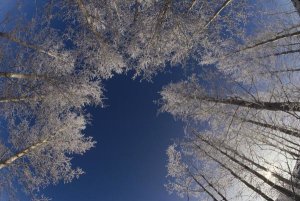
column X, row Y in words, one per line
column 241, row 108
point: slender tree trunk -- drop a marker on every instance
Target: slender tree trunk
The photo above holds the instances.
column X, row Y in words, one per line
column 273, row 127
column 260, row 105
column 20, row 75
column 88, row 20
column 280, row 53
column 279, row 177
column 232, row 172
column 295, row 176
column 30, row 46
column 192, row 4
column 19, row 99
column 284, row 130
column 289, row 132
column 272, row 39
column 202, row 186
column 216, row 14
column 297, row 5
column 273, row 136
column 161, row 16
column 284, row 71
column 212, row 186
column 293, row 154
column 275, row 38
column 258, row 175
column 22, row 153
column 282, row 143
column 213, row 17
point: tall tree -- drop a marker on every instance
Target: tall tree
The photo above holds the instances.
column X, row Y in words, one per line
column 244, row 126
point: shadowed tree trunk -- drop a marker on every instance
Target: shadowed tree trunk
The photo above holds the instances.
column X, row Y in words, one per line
column 89, row 22
column 297, row 5
column 232, row 172
column 202, row 186
column 270, row 40
column 258, row 175
column 283, row 130
column 279, row 177
column 274, row 127
column 260, row 105
column 30, row 46
column 296, row 177
column 213, row 187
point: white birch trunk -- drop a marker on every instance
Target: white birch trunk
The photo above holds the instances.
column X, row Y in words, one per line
column 20, row 154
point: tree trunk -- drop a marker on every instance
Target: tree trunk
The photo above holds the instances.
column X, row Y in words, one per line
column 199, row 183
column 284, row 71
column 20, row 154
column 223, row 6
column 161, row 16
column 232, row 172
column 296, row 175
column 258, row 175
column 297, row 5
column 212, row 186
column 280, row 53
column 272, row 106
column 216, row 14
column 282, row 143
column 19, row 99
column 30, row 46
column 88, row 20
column 279, row 177
column 276, row 128
column 20, row 75
column 273, row 39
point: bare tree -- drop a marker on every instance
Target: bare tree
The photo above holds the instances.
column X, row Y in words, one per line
column 260, row 137
column 239, row 165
